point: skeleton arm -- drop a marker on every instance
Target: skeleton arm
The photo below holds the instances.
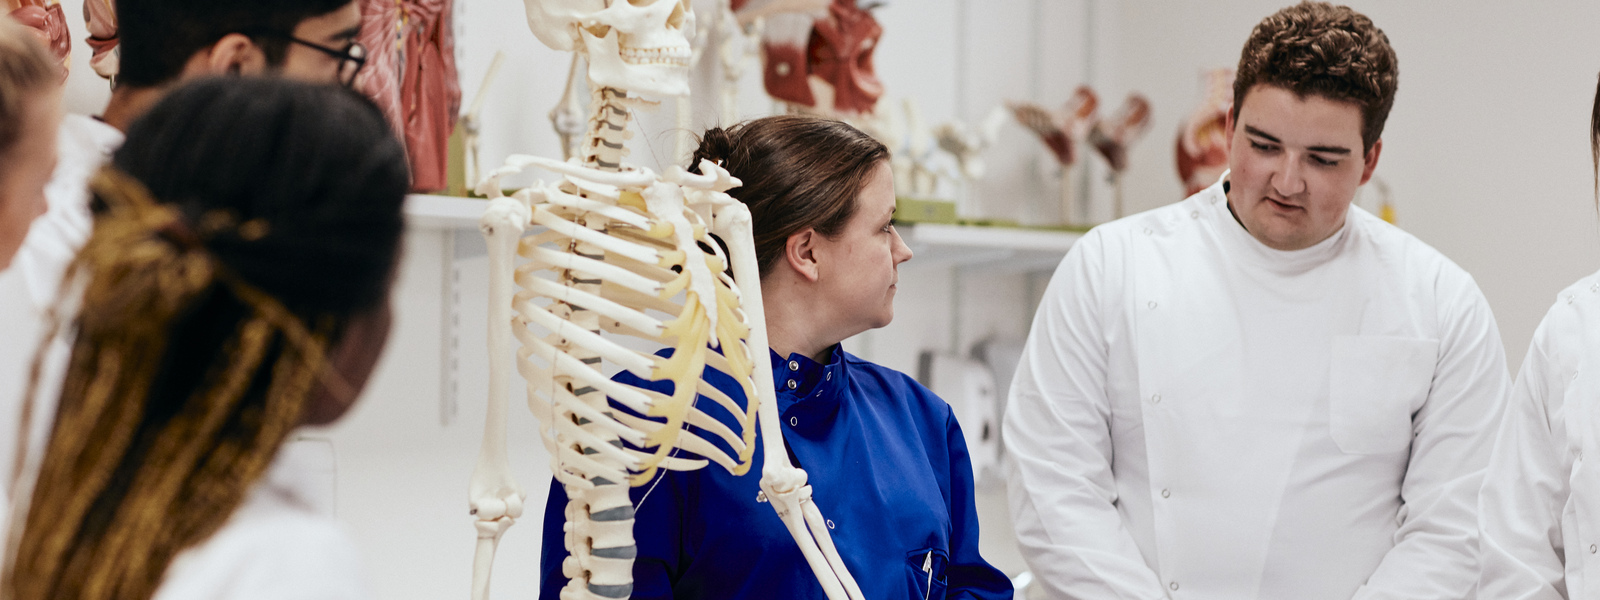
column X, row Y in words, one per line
column 782, row 483
column 493, row 495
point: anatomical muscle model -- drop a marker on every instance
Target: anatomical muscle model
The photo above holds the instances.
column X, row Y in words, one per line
column 823, row 64
column 45, row 19
column 625, row 251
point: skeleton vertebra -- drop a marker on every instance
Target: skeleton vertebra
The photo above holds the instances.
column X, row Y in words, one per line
column 621, row 244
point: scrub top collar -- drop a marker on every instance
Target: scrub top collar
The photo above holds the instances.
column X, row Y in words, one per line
column 809, row 392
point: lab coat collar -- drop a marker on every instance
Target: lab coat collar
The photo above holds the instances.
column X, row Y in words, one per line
column 1247, row 248
column 818, row 389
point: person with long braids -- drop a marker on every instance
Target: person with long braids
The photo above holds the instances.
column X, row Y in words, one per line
column 1539, row 510
column 235, row 286
column 884, row 456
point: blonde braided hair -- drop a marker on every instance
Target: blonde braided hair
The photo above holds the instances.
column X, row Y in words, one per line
column 127, row 482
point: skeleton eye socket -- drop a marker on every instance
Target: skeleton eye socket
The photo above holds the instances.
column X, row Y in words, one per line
column 675, row 20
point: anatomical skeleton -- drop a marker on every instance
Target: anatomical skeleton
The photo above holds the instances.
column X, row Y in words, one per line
column 620, row 250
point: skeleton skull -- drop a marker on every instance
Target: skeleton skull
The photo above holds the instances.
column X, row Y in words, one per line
column 640, row 46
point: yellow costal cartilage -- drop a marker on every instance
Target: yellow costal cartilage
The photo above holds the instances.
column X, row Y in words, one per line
column 632, row 199
column 692, row 329
column 733, row 336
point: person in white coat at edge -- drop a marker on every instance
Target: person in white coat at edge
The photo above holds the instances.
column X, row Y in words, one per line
column 163, row 43
column 1539, row 511
column 1261, row 391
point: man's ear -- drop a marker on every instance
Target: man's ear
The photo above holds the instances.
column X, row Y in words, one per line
column 234, row 54
column 800, row 253
column 1227, row 127
column 1370, row 161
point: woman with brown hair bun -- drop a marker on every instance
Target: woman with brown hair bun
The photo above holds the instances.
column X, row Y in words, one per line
column 885, row 457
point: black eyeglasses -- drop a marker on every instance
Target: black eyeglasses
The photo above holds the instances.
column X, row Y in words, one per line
column 351, row 59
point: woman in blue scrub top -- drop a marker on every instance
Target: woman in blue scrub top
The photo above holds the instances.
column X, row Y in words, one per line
column 885, row 456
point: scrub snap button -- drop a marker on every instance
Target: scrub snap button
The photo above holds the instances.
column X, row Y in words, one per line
column 794, row 365
column 792, row 384
column 794, row 421
column 830, row 523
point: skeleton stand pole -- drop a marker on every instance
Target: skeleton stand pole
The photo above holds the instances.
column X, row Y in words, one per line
column 1069, row 197
column 1117, row 209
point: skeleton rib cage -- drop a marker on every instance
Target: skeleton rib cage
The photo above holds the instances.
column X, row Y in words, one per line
column 620, row 249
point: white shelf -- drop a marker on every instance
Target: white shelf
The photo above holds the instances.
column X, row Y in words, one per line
column 1005, row 248
column 443, row 212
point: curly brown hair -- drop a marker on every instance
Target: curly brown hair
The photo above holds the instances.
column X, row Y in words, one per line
column 1326, row 50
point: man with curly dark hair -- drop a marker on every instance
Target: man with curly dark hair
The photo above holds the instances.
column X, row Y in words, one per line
column 1261, row 391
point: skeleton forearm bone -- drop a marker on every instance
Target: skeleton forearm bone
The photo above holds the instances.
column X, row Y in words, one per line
column 783, row 484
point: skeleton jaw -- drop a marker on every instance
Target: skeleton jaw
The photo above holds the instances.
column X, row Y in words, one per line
column 659, row 71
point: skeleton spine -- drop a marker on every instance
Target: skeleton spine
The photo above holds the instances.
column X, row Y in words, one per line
column 600, row 519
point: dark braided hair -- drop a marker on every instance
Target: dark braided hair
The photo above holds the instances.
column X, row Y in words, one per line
column 797, row 171
column 240, row 227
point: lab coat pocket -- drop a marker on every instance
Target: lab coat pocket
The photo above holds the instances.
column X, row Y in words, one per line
column 925, row 568
column 1374, row 385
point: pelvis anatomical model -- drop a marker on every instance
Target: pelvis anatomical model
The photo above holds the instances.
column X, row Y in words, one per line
column 823, row 63
column 1061, row 131
column 625, row 251
column 1202, row 147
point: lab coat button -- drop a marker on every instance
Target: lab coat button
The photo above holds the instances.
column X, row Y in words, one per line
column 1593, row 549
column 1174, row 586
column 1155, row 399
column 1152, row 305
column 794, row 365
column 1166, row 493
column 792, row 384
column 1570, row 299
column 1148, row 231
column 1194, row 215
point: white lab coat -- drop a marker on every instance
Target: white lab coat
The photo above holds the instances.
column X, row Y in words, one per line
column 1540, row 506
column 28, row 288
column 1197, row 415
column 278, row 545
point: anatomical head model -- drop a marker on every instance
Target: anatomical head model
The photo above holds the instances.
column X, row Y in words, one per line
column 619, row 250
column 824, row 62
column 1202, row 152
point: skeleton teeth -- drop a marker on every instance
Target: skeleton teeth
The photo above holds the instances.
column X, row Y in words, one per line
column 674, row 56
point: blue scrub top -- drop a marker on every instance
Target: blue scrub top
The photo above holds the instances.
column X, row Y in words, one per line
column 887, row 466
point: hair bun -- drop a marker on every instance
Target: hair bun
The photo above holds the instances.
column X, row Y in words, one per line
column 715, row 146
